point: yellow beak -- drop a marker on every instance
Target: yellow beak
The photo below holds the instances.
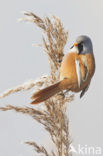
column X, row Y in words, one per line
column 75, row 44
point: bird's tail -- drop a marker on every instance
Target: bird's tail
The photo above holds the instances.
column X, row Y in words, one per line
column 45, row 93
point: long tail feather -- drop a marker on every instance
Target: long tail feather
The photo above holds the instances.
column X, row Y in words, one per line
column 45, row 93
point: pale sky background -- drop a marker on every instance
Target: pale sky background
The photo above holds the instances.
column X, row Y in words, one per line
column 19, row 62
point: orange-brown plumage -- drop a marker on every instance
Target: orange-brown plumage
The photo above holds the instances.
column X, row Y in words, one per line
column 68, row 69
column 76, row 72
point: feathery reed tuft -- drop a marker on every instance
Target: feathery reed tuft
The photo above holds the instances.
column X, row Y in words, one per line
column 53, row 117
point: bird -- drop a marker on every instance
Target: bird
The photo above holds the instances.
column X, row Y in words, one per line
column 76, row 71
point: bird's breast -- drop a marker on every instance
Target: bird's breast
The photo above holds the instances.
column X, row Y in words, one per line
column 68, row 69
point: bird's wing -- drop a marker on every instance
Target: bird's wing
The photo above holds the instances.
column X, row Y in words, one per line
column 81, row 77
column 84, row 90
column 85, row 64
column 78, row 71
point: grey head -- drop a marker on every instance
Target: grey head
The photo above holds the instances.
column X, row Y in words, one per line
column 84, row 45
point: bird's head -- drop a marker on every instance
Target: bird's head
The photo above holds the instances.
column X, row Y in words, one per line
column 82, row 45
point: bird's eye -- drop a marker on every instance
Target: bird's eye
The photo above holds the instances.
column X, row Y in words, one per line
column 80, row 47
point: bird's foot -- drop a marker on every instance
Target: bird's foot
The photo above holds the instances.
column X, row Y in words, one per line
column 63, row 94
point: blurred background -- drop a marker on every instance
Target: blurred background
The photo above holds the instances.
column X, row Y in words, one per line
column 20, row 62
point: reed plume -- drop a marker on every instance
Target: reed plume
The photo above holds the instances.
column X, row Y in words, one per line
column 54, row 116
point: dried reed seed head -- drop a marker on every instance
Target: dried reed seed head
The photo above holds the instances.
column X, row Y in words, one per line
column 56, row 38
column 53, row 118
